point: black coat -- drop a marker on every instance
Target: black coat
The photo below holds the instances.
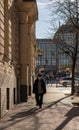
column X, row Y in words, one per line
column 35, row 86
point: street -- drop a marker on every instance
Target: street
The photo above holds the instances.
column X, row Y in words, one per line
column 58, row 113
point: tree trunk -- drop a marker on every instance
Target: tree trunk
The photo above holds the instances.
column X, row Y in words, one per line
column 73, row 74
column 73, row 65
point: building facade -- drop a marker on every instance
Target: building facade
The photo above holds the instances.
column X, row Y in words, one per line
column 65, row 40
column 46, row 59
column 50, row 57
column 17, row 51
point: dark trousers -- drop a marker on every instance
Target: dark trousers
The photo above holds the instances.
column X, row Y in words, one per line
column 39, row 99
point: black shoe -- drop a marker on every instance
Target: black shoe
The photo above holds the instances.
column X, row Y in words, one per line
column 40, row 106
column 36, row 104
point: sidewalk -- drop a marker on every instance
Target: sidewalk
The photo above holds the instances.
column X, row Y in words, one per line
column 58, row 113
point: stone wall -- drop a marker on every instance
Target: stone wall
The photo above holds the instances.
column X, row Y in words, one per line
column 8, row 54
column 17, row 59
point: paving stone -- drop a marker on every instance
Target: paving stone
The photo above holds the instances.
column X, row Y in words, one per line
column 58, row 113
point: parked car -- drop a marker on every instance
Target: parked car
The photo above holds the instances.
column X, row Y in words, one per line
column 66, row 81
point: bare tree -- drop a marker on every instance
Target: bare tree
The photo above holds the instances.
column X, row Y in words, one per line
column 68, row 10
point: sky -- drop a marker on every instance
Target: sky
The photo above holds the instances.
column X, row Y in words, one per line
column 43, row 22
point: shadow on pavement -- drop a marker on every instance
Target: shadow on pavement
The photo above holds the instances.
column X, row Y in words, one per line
column 23, row 114
column 70, row 115
column 33, row 111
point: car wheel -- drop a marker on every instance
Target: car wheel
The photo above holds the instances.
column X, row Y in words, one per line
column 65, row 84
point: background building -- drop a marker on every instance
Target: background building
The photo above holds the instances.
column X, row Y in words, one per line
column 17, row 51
column 65, row 40
column 50, row 57
column 46, row 59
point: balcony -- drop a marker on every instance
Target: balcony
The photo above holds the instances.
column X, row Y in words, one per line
column 22, row 5
column 29, row 7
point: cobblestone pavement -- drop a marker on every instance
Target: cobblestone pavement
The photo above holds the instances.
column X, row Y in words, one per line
column 57, row 113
